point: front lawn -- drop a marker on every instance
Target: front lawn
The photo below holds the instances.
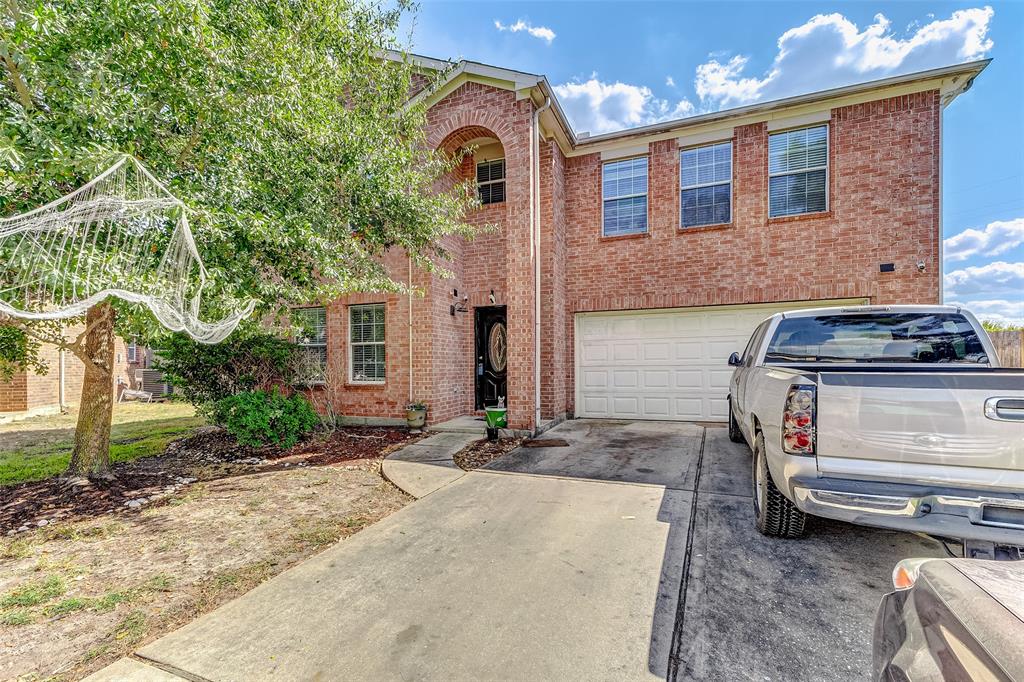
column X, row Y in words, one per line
column 91, row 575
column 38, row 448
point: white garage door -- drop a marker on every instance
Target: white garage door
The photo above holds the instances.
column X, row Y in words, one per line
column 668, row 364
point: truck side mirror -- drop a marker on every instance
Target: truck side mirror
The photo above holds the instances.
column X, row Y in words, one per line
column 734, row 360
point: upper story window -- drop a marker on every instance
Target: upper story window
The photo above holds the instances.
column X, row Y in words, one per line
column 624, row 197
column 798, row 171
column 490, row 181
column 132, row 352
column 705, row 175
column 311, row 338
column 366, row 344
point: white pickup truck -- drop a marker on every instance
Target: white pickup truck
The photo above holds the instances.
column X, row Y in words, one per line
column 894, row 416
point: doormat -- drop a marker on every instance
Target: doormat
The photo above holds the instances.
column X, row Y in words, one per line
column 545, row 443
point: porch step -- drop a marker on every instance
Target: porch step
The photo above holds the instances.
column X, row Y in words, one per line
column 467, row 423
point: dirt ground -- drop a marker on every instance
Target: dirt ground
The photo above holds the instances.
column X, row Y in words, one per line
column 102, row 576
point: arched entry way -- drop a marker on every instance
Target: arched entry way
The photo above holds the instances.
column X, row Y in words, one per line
column 480, row 327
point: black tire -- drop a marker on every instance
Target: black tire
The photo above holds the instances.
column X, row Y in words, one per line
column 735, row 435
column 774, row 515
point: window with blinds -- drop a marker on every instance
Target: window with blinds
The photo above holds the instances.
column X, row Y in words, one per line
column 311, row 338
column 624, row 197
column 490, row 181
column 366, row 344
column 705, row 175
column 798, row 171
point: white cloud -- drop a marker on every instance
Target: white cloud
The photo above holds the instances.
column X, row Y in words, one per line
column 996, row 310
column 599, row 107
column 542, row 32
column 993, row 279
column 670, row 81
column 829, row 50
column 998, row 237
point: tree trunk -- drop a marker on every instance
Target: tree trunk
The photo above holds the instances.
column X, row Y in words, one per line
column 91, row 454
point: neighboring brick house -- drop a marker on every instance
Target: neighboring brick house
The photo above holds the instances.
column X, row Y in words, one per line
column 659, row 248
column 30, row 393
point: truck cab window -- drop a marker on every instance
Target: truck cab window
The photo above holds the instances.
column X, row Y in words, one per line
column 896, row 338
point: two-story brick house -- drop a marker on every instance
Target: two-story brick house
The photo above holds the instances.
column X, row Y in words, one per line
column 627, row 266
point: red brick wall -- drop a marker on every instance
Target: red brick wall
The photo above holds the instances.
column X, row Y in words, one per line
column 501, row 261
column 555, row 353
column 389, row 398
column 883, row 186
column 14, row 394
column 443, row 354
column 30, row 391
column 884, row 207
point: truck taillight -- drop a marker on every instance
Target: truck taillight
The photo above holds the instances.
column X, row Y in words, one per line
column 798, row 421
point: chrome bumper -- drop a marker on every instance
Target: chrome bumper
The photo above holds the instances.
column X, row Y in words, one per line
column 954, row 515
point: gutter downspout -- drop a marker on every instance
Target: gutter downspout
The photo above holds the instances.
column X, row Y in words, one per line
column 61, row 402
column 411, row 396
column 535, row 144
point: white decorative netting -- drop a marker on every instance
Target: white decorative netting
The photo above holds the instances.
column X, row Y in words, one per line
column 123, row 234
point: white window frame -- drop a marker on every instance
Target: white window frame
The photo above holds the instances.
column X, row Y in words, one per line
column 768, row 162
column 647, row 194
column 504, row 176
column 352, row 345
column 304, row 345
column 732, row 177
column 131, row 352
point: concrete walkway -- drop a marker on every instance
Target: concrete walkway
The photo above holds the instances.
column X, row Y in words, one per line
column 494, row 576
column 561, row 564
column 427, row 465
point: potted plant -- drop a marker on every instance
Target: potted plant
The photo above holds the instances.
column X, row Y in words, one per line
column 416, row 414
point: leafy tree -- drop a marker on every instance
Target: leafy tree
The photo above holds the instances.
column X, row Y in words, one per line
column 18, row 352
column 250, row 359
column 277, row 121
column 993, row 326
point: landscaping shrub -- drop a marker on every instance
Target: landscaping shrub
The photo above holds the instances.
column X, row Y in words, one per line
column 248, row 360
column 263, row 417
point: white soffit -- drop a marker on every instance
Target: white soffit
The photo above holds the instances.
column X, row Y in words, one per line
column 823, row 116
column 707, row 136
column 624, row 152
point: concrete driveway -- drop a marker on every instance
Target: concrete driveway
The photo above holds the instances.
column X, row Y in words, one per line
column 629, row 554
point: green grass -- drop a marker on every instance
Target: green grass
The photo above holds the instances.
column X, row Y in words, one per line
column 160, row 583
column 66, row 606
column 132, row 628
column 110, row 600
column 39, row 458
column 34, row 593
column 16, row 617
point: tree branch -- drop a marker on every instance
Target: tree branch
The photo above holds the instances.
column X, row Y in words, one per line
column 76, row 345
column 33, row 332
column 190, row 145
column 19, row 82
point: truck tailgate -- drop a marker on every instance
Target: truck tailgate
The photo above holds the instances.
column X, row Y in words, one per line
column 922, row 426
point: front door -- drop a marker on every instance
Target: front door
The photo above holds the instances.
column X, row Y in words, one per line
column 491, row 355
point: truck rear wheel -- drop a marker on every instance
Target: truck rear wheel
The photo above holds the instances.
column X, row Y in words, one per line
column 735, row 435
column 774, row 515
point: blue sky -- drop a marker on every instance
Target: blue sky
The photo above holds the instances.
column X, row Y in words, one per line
column 618, row 65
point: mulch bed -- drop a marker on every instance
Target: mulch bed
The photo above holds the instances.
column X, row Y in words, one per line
column 208, row 455
column 481, row 452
